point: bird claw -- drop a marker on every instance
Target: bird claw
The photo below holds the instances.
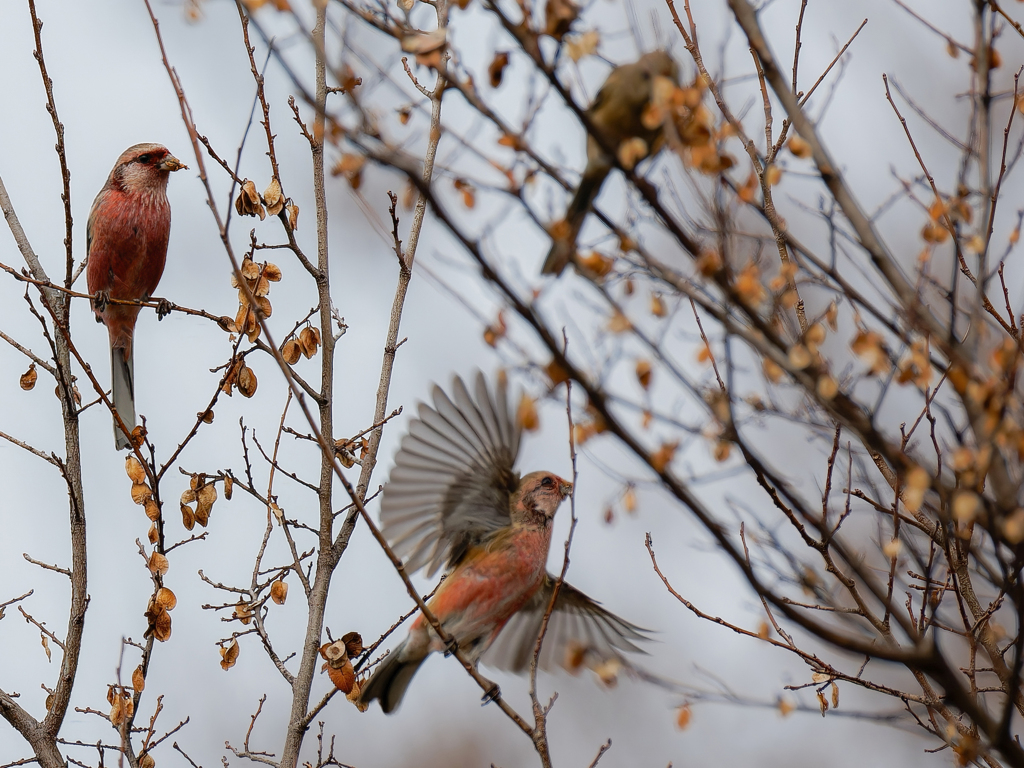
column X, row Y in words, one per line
column 99, row 303
column 163, row 309
column 451, row 647
column 491, row 694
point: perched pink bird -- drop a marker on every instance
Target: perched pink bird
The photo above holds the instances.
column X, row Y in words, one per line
column 454, row 498
column 128, row 229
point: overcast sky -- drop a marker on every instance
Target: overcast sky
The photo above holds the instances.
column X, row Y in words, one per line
column 112, row 91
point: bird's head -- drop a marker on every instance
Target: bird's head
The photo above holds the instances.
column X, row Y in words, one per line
column 539, row 496
column 660, row 64
column 145, row 168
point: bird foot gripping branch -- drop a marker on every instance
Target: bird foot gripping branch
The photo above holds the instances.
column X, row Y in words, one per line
column 491, row 694
column 99, row 304
column 451, row 647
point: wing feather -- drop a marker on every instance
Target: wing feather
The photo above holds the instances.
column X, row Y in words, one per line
column 453, row 475
column 488, row 416
column 510, row 431
column 466, row 411
column 576, row 622
column 458, row 418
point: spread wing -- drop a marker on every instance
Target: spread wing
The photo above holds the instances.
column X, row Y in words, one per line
column 580, row 632
column 453, row 476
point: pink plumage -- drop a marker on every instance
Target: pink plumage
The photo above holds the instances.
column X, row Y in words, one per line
column 454, row 499
column 129, row 226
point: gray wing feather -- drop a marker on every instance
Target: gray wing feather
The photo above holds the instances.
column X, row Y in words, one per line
column 510, row 431
column 575, row 621
column 488, row 419
column 431, row 434
column 468, row 417
column 453, row 476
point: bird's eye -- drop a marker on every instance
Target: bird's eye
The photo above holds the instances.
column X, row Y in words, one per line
column 144, row 158
column 547, row 482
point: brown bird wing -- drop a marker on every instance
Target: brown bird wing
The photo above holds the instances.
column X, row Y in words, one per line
column 453, row 476
column 579, row 627
column 88, row 231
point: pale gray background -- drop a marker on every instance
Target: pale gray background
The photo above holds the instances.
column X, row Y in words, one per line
column 111, row 92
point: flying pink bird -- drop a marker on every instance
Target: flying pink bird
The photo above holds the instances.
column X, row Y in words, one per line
column 128, row 229
column 454, row 499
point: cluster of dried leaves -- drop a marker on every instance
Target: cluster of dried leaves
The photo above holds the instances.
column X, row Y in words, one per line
column 252, row 297
column 202, row 492
column 346, row 451
column 142, row 494
column 338, row 665
column 303, row 344
column 158, row 618
column 250, row 203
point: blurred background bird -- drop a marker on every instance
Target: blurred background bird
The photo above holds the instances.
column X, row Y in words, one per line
column 129, row 226
column 617, row 113
column 454, row 498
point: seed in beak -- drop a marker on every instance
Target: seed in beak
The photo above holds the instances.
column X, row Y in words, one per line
column 171, row 163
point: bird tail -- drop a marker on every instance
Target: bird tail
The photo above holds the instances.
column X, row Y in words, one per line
column 389, row 682
column 563, row 244
column 122, row 377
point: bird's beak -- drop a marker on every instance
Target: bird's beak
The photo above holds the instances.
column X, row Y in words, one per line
column 565, row 488
column 171, row 163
